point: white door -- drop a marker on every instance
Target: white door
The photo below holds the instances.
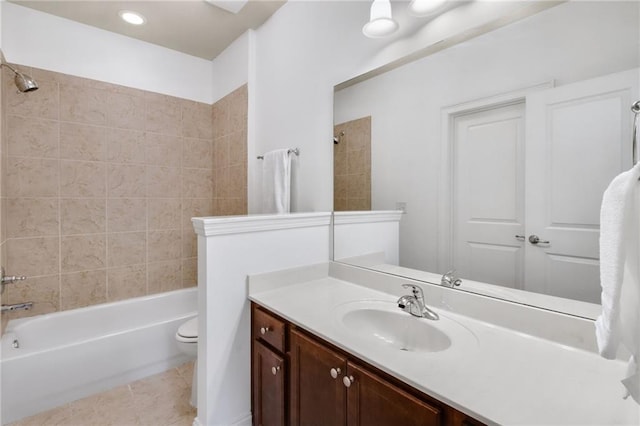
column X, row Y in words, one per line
column 578, row 139
column 488, row 195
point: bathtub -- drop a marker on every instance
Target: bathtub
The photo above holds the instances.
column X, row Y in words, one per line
column 49, row 360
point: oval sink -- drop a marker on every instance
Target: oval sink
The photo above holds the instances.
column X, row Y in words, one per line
column 382, row 322
column 397, row 329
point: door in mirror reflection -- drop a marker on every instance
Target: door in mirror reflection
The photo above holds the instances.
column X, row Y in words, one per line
column 545, row 238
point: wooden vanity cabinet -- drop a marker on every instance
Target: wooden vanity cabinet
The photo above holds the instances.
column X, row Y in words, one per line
column 327, row 387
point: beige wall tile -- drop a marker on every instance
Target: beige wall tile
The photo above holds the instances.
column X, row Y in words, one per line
column 82, row 179
column 197, row 120
column 33, row 256
column 43, row 103
column 29, row 217
column 126, row 282
column 195, row 207
column 83, row 142
column 31, row 177
column 82, row 104
column 238, row 148
column 125, row 146
column 197, row 183
column 127, row 248
column 356, row 161
column 44, row 292
column 221, row 152
column 237, row 181
column 126, row 214
column 197, row 153
column 163, row 150
column 32, row 137
column 163, row 182
column 163, row 114
column 190, row 272
column 83, row 289
column 82, row 216
column 164, row 245
column 165, row 213
column 83, row 252
column 165, row 276
column 125, row 110
column 126, row 180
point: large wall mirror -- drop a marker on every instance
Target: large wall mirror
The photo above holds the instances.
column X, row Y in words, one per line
column 499, row 149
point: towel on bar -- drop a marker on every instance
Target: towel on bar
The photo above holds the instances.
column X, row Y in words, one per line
column 619, row 322
column 276, row 182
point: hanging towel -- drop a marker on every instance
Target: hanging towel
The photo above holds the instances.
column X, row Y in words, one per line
column 276, row 181
column 619, row 322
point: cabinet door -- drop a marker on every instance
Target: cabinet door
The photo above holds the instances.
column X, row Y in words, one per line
column 373, row 401
column 317, row 398
column 268, row 387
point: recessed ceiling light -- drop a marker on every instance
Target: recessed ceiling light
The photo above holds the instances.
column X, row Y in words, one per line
column 134, row 18
column 424, row 7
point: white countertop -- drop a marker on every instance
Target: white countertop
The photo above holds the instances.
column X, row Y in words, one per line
column 494, row 374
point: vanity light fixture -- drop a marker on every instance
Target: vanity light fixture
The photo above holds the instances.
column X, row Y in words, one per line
column 380, row 24
column 424, row 7
column 133, row 18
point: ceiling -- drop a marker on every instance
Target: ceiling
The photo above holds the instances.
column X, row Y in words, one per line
column 194, row 27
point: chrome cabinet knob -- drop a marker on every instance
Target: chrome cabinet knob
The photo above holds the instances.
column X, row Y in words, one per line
column 274, row 370
column 347, row 381
column 534, row 239
column 335, row 372
column 263, row 330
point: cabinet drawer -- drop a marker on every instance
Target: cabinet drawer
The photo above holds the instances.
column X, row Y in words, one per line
column 269, row 329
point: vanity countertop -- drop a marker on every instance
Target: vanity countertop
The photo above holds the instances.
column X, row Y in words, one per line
column 499, row 376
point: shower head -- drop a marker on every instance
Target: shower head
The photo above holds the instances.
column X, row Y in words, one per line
column 24, row 82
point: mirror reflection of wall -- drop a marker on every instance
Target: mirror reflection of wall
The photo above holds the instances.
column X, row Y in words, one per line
column 352, row 165
column 415, row 110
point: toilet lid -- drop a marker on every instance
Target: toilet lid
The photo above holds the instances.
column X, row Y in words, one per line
column 189, row 330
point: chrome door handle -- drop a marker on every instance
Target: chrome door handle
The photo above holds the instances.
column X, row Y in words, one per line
column 534, row 239
column 520, row 237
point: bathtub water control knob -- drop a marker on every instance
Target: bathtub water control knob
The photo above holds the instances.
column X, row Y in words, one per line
column 335, row 372
column 263, row 330
column 9, row 279
column 274, row 370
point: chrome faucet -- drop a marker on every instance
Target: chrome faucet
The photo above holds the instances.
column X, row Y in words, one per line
column 449, row 279
column 414, row 304
column 17, row 307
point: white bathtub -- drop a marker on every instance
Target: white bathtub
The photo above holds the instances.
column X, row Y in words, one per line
column 72, row 354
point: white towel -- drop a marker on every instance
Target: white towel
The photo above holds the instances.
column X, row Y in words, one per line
column 619, row 322
column 276, row 182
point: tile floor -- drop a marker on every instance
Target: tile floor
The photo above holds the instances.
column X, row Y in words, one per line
column 160, row 400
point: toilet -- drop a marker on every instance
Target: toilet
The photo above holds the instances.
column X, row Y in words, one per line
column 187, row 338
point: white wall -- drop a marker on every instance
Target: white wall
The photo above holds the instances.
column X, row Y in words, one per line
column 230, row 69
column 37, row 39
column 568, row 43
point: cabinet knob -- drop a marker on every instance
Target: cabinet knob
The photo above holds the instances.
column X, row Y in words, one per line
column 347, row 381
column 274, row 370
column 263, row 330
column 335, row 372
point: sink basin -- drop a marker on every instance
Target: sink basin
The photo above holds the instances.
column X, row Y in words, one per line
column 397, row 329
column 383, row 322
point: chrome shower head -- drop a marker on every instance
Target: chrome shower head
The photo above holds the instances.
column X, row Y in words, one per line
column 24, row 82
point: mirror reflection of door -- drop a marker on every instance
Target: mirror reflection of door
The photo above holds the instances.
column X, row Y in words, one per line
column 352, row 165
column 575, row 145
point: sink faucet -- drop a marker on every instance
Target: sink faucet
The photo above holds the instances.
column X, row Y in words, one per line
column 449, row 279
column 415, row 304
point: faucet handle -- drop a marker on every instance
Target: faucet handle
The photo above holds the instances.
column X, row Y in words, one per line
column 417, row 291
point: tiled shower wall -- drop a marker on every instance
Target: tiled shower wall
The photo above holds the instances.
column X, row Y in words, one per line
column 352, row 165
column 101, row 182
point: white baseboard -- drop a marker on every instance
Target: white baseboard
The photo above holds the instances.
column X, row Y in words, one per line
column 244, row 421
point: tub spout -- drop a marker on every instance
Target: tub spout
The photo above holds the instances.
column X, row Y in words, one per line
column 17, row 307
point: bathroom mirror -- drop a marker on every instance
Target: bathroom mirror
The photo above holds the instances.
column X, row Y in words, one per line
column 495, row 148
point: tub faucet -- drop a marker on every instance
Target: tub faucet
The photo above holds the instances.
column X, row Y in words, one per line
column 449, row 279
column 17, row 307
column 414, row 304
